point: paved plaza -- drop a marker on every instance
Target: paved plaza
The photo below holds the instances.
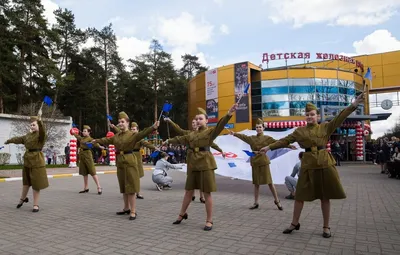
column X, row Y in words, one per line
column 367, row 222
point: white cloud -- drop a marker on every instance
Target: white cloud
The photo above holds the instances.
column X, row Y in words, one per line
column 49, row 8
column 219, row 2
column 224, row 29
column 377, row 42
column 131, row 47
column 333, row 12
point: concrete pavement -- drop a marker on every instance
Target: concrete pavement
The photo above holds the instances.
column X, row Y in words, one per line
column 367, row 222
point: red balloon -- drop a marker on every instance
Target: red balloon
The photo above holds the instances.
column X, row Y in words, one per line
column 74, row 130
column 110, row 134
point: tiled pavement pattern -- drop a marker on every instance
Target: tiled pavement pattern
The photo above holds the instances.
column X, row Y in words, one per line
column 367, row 222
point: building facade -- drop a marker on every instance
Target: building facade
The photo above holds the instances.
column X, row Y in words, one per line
column 279, row 95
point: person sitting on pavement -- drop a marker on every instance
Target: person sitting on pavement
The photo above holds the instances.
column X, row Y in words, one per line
column 160, row 177
column 291, row 181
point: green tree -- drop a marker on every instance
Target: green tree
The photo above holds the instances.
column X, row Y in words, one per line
column 191, row 66
column 106, row 49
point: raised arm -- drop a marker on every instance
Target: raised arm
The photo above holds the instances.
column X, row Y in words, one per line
column 178, row 140
column 177, row 128
column 242, row 137
column 341, row 117
column 104, row 141
column 116, row 129
column 16, row 140
column 216, row 147
column 42, row 131
column 147, row 145
column 222, row 122
column 282, row 143
column 78, row 137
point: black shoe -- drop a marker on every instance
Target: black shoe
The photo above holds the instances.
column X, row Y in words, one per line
column 84, row 191
column 123, row 212
column 202, row 200
column 35, row 209
column 325, row 234
column 132, row 217
column 290, row 230
column 99, row 191
column 138, row 196
column 208, row 228
column 183, row 217
column 255, row 206
column 22, row 201
column 193, row 198
column 290, row 196
column 278, row 204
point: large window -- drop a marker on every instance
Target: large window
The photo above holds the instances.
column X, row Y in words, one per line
column 288, row 97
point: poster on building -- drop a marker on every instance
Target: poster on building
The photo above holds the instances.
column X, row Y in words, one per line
column 212, row 110
column 241, row 80
column 212, row 95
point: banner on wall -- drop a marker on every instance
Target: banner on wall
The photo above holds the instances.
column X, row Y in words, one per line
column 212, row 95
column 241, row 80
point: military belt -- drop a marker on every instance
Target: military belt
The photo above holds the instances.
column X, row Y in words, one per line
column 124, row 152
column 85, row 149
column 136, row 150
column 315, row 148
column 200, row 149
column 34, row 150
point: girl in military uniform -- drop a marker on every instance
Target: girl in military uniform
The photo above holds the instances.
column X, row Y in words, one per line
column 86, row 163
column 319, row 178
column 136, row 150
column 201, row 163
column 261, row 173
column 34, row 172
column 181, row 131
column 127, row 169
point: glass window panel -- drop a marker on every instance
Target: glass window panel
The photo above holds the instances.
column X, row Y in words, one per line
column 275, row 98
column 255, row 92
column 256, row 114
column 346, row 84
column 326, row 82
column 268, row 113
column 298, row 112
column 302, row 89
column 298, row 104
column 256, row 107
column 325, row 89
column 256, row 85
column 275, row 105
column 274, row 83
column 327, row 97
column 275, row 90
column 302, row 82
column 301, row 97
column 256, row 99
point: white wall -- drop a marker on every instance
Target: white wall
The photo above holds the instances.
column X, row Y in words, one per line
column 6, row 132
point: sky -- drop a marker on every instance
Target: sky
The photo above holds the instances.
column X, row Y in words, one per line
column 222, row 32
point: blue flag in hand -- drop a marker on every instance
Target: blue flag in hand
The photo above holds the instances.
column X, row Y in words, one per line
column 74, row 125
column 109, row 117
column 89, row 145
column 246, row 89
column 231, row 164
column 1, row 147
column 368, row 74
column 167, row 107
column 249, row 153
column 154, row 154
column 47, row 100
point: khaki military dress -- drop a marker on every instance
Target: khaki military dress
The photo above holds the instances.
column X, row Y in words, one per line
column 127, row 168
column 136, row 151
column 261, row 173
column 86, row 163
column 201, row 161
column 34, row 172
column 319, row 178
